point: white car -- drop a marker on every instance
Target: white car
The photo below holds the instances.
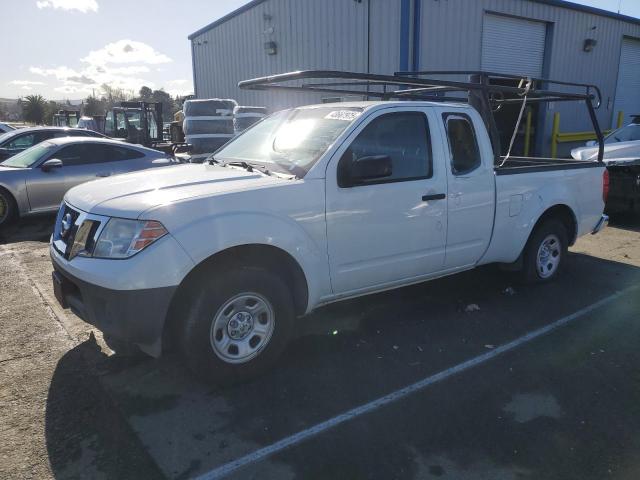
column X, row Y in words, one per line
column 621, row 145
column 622, row 158
column 310, row 206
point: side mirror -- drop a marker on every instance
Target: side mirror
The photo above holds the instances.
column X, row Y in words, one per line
column 50, row 164
column 591, row 143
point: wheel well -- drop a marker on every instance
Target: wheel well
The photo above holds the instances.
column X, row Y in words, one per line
column 564, row 214
column 10, row 198
column 268, row 257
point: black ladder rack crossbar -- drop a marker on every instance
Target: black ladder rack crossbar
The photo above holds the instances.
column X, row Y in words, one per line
column 482, row 93
column 412, row 84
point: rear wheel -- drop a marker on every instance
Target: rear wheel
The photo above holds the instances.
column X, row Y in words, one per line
column 545, row 252
column 8, row 208
column 238, row 323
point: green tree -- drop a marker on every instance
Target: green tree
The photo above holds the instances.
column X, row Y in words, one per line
column 94, row 106
column 50, row 109
column 33, row 108
column 145, row 94
column 168, row 105
column 113, row 96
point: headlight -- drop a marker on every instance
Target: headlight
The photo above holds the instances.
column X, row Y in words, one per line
column 122, row 238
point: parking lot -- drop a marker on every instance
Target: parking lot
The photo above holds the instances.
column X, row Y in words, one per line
column 428, row 388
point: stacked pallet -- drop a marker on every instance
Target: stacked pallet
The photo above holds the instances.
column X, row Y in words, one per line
column 244, row 117
column 208, row 124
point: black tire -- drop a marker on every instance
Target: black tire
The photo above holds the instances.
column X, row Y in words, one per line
column 204, row 306
column 554, row 232
column 8, row 208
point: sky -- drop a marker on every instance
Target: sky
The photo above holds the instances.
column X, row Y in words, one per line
column 66, row 49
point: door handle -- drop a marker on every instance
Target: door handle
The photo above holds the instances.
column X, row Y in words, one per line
column 434, row 196
column 103, row 174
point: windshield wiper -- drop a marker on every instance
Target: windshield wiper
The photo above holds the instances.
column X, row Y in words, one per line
column 248, row 166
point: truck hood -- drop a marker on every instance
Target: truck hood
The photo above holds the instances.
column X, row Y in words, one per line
column 129, row 195
column 622, row 151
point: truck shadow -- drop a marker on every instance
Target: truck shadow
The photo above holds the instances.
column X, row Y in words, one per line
column 31, row 229
column 625, row 221
column 344, row 355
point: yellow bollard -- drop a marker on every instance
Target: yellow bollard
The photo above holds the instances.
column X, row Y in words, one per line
column 620, row 119
column 527, row 133
column 554, row 135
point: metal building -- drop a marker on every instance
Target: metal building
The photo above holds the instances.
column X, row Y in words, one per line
column 544, row 38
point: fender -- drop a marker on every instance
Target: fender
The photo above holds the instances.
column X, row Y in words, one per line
column 18, row 190
column 298, row 228
column 518, row 210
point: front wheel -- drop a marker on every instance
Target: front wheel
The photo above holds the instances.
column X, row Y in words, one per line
column 238, row 323
column 8, row 208
column 545, row 252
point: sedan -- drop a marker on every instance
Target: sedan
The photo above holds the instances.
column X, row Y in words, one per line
column 19, row 140
column 35, row 180
column 4, row 128
column 623, row 143
column 622, row 158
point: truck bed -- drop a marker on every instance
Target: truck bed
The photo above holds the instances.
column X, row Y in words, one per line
column 517, row 165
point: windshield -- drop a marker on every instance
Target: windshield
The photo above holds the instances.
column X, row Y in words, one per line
column 28, row 157
column 630, row 133
column 293, row 140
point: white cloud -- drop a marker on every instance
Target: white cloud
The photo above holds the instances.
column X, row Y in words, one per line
column 25, row 83
column 74, row 89
column 180, row 87
column 61, row 73
column 112, row 65
column 83, row 6
column 26, row 87
column 126, row 51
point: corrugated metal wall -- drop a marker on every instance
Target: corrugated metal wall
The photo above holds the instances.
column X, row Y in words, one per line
column 361, row 35
column 329, row 34
column 452, row 39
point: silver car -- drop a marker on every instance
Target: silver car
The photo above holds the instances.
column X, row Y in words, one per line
column 35, row 180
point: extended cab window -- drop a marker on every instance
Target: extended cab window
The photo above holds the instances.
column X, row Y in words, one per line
column 465, row 154
column 403, row 137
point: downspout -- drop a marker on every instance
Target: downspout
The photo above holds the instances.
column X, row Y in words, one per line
column 193, row 68
column 405, row 25
column 410, row 19
column 417, row 21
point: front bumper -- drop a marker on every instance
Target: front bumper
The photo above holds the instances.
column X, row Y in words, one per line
column 603, row 222
column 135, row 316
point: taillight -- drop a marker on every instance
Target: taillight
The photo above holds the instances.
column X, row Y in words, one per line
column 605, row 185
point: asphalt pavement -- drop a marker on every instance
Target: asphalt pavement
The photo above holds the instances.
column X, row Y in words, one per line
column 413, row 383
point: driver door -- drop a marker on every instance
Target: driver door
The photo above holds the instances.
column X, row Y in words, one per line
column 389, row 230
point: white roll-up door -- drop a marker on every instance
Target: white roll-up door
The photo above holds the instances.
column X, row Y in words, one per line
column 628, row 87
column 513, row 45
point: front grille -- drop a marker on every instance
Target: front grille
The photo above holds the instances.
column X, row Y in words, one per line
column 75, row 231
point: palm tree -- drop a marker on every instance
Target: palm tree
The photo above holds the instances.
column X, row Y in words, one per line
column 33, row 108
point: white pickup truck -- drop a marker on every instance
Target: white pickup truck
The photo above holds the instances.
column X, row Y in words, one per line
column 310, row 206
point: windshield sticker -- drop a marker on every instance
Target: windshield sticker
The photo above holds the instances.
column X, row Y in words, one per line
column 345, row 115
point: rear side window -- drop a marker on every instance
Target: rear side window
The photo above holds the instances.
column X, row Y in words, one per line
column 113, row 153
column 404, row 137
column 22, row 141
column 78, row 154
column 463, row 145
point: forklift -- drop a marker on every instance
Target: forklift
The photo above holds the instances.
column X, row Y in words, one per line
column 66, row 118
column 139, row 123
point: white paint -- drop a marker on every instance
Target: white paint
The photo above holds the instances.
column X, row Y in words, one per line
column 258, row 455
